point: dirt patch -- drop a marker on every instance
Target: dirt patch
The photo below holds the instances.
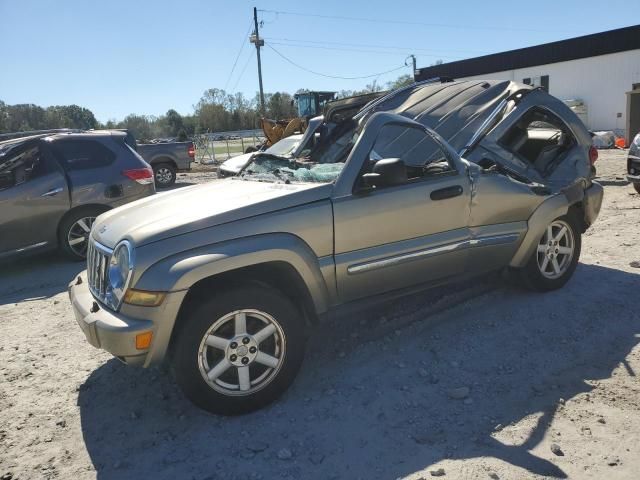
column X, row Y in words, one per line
column 479, row 381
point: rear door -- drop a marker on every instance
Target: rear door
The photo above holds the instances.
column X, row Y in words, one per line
column 34, row 196
column 88, row 164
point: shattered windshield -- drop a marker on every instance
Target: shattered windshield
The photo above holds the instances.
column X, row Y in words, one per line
column 323, row 165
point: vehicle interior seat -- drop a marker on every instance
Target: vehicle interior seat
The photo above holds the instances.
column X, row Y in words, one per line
column 20, row 174
column 550, row 152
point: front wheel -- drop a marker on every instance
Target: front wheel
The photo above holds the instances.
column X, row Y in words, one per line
column 240, row 350
column 556, row 256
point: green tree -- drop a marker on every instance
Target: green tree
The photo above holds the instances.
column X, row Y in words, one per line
column 4, row 117
column 174, row 123
column 280, row 106
column 139, row 125
column 401, row 81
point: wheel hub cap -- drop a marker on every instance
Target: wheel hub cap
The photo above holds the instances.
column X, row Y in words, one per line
column 555, row 250
column 248, row 359
column 78, row 235
column 163, row 175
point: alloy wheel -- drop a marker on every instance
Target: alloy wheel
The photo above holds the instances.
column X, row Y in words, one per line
column 78, row 235
column 242, row 352
column 555, row 250
column 163, row 175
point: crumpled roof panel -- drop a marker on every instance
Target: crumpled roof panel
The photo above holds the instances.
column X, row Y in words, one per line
column 455, row 110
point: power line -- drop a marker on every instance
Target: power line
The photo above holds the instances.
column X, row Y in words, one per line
column 244, row 42
column 251, row 53
column 404, row 22
column 332, row 76
column 365, row 45
column 340, row 49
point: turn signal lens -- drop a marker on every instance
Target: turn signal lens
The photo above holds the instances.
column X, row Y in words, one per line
column 143, row 298
column 143, row 340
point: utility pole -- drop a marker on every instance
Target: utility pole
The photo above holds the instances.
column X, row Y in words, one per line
column 413, row 59
column 255, row 38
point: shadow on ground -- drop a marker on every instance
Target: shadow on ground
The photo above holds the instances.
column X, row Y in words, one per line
column 36, row 277
column 378, row 407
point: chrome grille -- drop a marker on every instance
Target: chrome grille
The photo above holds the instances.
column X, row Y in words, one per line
column 98, row 257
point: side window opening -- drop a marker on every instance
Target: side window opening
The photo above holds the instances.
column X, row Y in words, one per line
column 539, row 138
column 22, row 167
column 422, row 154
column 82, row 154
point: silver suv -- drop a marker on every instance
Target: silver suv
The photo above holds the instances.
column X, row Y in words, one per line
column 426, row 185
column 53, row 186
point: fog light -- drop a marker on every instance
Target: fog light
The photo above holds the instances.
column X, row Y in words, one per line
column 143, row 340
column 143, row 298
column 632, row 171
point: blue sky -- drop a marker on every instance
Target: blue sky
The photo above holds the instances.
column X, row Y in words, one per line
column 126, row 56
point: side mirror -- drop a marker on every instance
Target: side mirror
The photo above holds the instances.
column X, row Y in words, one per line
column 386, row 173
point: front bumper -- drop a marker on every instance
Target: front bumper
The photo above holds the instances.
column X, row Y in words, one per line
column 105, row 329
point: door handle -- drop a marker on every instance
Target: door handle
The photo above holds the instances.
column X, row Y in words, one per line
column 448, row 192
column 53, row 192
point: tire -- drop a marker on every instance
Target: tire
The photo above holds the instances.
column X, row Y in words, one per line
column 164, row 175
column 272, row 361
column 74, row 230
column 546, row 276
column 636, row 186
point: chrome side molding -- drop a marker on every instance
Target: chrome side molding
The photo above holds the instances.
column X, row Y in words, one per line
column 432, row 251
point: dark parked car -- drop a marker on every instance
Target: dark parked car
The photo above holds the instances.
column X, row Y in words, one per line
column 52, row 187
column 633, row 163
column 167, row 158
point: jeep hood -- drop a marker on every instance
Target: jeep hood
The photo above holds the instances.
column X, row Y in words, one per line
column 198, row 207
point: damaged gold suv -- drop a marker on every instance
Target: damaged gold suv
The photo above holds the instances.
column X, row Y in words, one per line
column 423, row 186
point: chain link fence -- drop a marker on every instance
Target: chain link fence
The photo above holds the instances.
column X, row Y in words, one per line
column 217, row 147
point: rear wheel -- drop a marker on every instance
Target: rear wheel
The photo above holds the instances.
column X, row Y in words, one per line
column 73, row 234
column 164, row 175
column 239, row 351
column 556, row 256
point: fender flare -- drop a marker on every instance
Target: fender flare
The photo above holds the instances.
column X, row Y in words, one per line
column 183, row 270
column 552, row 208
column 163, row 158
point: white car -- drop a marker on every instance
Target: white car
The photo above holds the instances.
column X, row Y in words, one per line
column 284, row 148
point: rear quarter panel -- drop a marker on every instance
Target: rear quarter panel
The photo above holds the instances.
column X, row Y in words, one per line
column 107, row 185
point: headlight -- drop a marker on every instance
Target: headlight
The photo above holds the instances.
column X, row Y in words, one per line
column 120, row 269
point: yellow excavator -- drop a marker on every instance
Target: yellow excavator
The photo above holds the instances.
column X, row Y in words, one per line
column 309, row 105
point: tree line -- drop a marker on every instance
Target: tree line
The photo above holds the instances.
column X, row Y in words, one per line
column 216, row 111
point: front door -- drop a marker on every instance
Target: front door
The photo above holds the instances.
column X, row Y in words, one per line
column 387, row 238
column 33, row 198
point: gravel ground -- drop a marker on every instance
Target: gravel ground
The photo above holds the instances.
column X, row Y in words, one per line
column 478, row 381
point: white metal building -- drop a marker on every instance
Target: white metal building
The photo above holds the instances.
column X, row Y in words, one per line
column 598, row 75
